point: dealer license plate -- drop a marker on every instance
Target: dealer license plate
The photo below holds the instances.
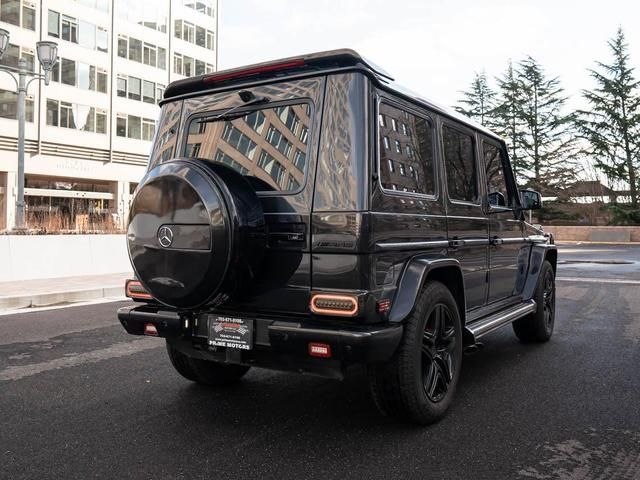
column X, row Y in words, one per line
column 230, row 332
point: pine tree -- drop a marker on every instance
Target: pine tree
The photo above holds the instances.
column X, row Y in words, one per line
column 477, row 102
column 506, row 117
column 548, row 142
column 612, row 124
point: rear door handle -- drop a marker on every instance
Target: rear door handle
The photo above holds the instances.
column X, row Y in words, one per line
column 497, row 241
column 455, row 243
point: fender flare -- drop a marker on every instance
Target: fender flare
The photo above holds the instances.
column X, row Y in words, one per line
column 539, row 253
column 413, row 277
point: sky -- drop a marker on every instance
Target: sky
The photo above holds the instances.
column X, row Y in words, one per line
column 434, row 47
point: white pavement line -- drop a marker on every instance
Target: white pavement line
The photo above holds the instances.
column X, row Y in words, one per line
column 114, row 351
column 66, row 305
column 598, row 280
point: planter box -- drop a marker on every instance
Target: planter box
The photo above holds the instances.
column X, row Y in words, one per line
column 24, row 257
column 594, row 234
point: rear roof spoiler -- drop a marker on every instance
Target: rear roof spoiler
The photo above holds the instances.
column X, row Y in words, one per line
column 277, row 68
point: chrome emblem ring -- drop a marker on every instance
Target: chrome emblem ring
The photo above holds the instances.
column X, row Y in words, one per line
column 165, row 236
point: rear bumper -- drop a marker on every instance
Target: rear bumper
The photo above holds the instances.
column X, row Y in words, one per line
column 279, row 344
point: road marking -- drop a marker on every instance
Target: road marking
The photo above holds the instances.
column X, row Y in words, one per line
column 598, row 280
column 66, row 305
column 117, row 350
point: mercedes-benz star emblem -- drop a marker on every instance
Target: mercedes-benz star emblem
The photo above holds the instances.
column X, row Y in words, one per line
column 165, row 236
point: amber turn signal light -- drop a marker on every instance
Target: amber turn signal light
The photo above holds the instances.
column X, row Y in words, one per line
column 134, row 289
column 329, row 304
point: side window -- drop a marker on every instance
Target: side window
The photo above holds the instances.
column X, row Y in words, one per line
column 462, row 175
column 408, row 166
column 496, row 181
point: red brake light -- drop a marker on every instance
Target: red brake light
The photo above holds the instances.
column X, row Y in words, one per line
column 321, row 350
column 219, row 77
column 150, row 329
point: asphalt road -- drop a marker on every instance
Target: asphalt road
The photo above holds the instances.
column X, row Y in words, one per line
column 81, row 399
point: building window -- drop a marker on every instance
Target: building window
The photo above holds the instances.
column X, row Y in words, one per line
column 122, row 86
column 54, row 24
column 148, row 128
column 134, row 88
column 138, row 89
column 270, row 165
column 11, row 12
column 256, row 121
column 69, row 29
column 147, row 13
column 9, row 105
column 279, row 141
column 304, row 132
column 398, row 147
column 148, row 92
column 381, row 121
column 289, row 118
column 81, row 75
column 205, row 7
column 76, row 116
column 150, row 55
column 68, row 72
column 299, row 160
column 394, row 124
column 13, row 53
column 137, row 51
column 222, row 157
column 188, row 66
column 137, row 128
column 239, row 141
column 83, row 33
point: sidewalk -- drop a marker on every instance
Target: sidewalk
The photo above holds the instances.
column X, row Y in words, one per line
column 43, row 292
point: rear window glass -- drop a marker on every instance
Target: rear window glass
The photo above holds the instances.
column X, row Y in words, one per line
column 267, row 146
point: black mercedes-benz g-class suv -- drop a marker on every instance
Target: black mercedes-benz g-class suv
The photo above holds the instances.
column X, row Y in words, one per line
column 308, row 214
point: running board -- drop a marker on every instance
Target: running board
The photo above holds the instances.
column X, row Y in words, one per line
column 497, row 320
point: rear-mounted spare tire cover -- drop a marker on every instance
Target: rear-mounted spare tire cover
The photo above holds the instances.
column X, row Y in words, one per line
column 196, row 233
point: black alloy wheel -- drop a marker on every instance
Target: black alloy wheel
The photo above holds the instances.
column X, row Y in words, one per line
column 549, row 298
column 538, row 326
column 438, row 352
column 419, row 382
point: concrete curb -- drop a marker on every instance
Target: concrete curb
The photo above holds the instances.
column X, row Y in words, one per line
column 53, row 298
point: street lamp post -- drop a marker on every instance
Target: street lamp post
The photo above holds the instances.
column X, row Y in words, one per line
column 47, row 56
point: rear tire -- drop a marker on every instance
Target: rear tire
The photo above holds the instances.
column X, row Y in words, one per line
column 205, row 372
column 538, row 326
column 419, row 382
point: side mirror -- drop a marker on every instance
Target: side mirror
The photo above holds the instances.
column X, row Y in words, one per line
column 530, row 200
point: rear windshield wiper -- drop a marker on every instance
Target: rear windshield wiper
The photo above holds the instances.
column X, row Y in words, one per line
column 249, row 99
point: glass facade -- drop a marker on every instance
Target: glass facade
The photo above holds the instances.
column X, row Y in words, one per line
column 82, row 98
column 9, row 105
column 75, row 116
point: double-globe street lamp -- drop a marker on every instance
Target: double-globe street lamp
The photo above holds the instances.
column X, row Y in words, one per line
column 47, row 56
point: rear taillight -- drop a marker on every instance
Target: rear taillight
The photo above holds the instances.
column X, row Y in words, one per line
column 330, row 304
column 134, row 289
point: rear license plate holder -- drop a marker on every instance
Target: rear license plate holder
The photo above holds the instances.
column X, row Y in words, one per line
column 231, row 332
